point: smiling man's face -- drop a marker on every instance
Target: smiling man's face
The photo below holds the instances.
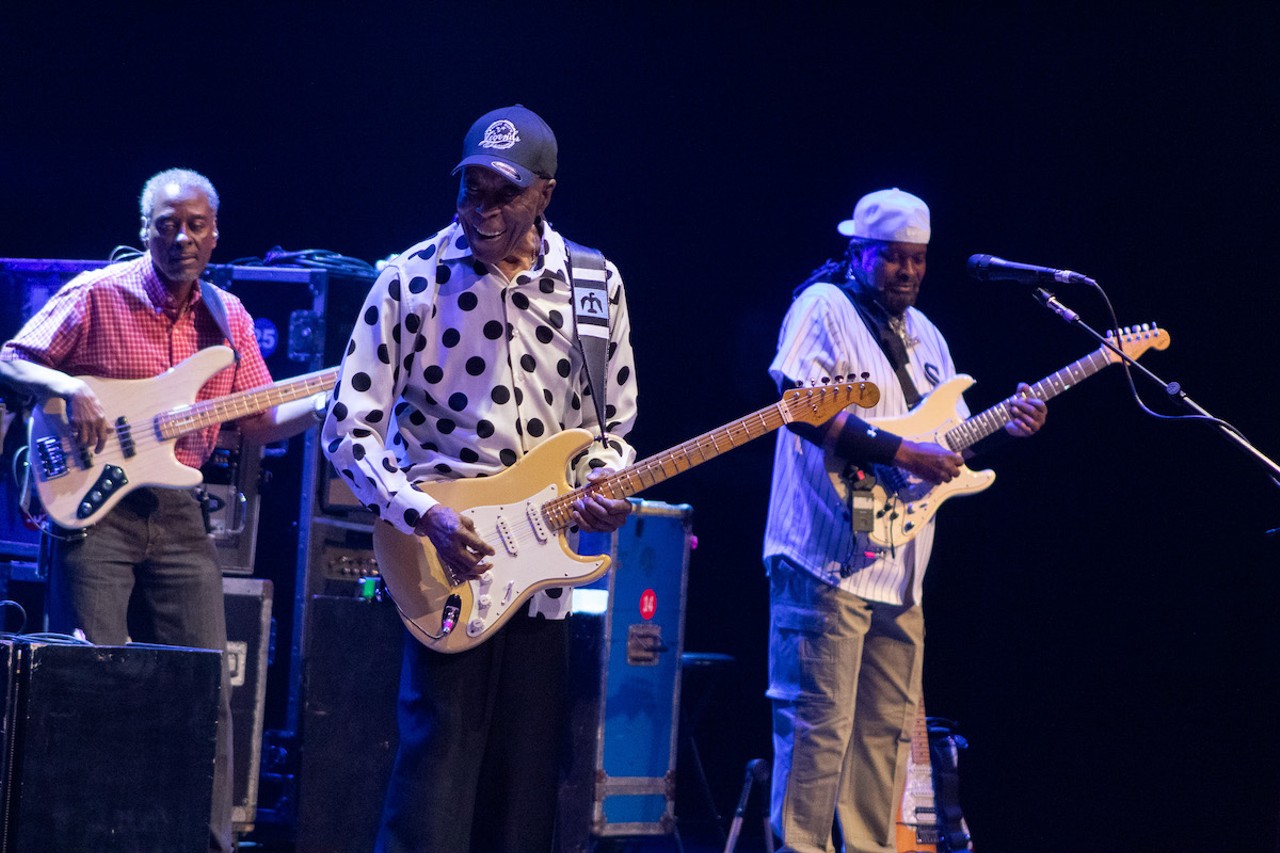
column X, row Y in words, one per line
column 498, row 217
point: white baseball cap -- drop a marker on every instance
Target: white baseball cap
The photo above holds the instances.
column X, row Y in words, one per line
column 890, row 215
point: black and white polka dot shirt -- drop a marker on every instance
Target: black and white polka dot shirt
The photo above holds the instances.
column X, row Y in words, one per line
column 454, row 371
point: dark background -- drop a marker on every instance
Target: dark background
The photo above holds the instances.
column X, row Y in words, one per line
column 1102, row 620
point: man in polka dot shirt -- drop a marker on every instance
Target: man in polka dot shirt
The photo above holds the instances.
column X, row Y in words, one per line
column 464, row 359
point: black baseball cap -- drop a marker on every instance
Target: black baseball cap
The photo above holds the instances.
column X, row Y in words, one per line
column 512, row 141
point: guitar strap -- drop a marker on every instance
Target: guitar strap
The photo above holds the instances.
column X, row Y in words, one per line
column 877, row 322
column 212, row 299
column 590, row 297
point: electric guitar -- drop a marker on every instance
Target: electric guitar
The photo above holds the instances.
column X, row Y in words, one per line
column 918, row 829
column 78, row 486
column 917, row 824
column 524, row 513
column 903, row 503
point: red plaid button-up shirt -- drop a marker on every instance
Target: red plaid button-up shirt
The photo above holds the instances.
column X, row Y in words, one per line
column 120, row 322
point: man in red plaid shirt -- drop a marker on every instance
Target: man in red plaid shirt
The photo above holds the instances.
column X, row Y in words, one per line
column 146, row 571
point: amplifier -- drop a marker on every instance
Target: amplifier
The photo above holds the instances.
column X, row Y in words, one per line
column 352, row 675
column 340, row 553
column 248, row 608
column 107, row 747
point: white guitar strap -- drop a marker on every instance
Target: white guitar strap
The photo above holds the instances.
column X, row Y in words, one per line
column 591, row 319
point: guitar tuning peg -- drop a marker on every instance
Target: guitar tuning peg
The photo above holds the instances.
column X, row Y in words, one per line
column 838, row 378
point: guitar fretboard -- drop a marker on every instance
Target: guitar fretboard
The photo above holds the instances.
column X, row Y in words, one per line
column 811, row 405
column 984, row 424
column 197, row 416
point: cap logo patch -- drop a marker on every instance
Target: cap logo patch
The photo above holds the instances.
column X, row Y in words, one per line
column 505, row 168
column 502, row 134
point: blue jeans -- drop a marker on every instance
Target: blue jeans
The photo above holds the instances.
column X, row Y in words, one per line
column 148, row 572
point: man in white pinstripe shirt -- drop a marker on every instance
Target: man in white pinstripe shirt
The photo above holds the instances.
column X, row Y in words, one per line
column 846, row 639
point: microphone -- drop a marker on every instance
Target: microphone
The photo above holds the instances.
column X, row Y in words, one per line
column 989, row 267
column 449, row 616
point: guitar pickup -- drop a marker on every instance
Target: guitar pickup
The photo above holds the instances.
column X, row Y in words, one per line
column 112, row 478
column 537, row 521
column 508, row 540
column 52, row 458
column 124, row 434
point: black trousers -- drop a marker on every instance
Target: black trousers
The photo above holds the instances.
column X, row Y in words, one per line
column 482, row 735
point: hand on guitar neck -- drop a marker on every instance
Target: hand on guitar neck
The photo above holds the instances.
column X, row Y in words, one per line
column 937, row 464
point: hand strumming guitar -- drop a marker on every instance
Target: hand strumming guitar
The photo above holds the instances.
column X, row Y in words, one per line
column 928, row 461
column 85, row 416
column 454, row 537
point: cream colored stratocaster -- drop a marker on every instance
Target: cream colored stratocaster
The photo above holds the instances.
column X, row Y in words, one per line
column 903, row 503
column 524, row 513
column 78, row 486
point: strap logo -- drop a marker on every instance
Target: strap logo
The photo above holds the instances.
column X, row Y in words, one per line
column 591, row 304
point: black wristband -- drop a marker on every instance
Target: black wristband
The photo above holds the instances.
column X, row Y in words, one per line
column 860, row 442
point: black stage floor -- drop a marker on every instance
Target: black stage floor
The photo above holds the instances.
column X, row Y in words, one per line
column 699, row 839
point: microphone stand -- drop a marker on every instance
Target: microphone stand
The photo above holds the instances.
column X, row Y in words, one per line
column 1172, row 389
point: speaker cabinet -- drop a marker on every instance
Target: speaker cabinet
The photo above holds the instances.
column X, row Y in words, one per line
column 352, row 677
column 107, row 747
column 248, row 608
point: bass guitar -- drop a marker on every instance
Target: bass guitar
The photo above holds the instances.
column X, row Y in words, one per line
column 78, row 486
column 524, row 512
column 903, row 503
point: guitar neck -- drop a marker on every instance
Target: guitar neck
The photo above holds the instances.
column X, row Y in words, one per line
column 920, row 737
column 995, row 418
column 657, row 468
column 198, row 416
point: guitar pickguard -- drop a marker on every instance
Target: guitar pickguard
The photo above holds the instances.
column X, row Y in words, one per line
column 528, row 558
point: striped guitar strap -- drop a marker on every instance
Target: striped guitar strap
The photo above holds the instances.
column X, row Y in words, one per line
column 591, row 319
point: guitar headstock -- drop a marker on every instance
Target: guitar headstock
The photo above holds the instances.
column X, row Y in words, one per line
column 818, row 404
column 1135, row 340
